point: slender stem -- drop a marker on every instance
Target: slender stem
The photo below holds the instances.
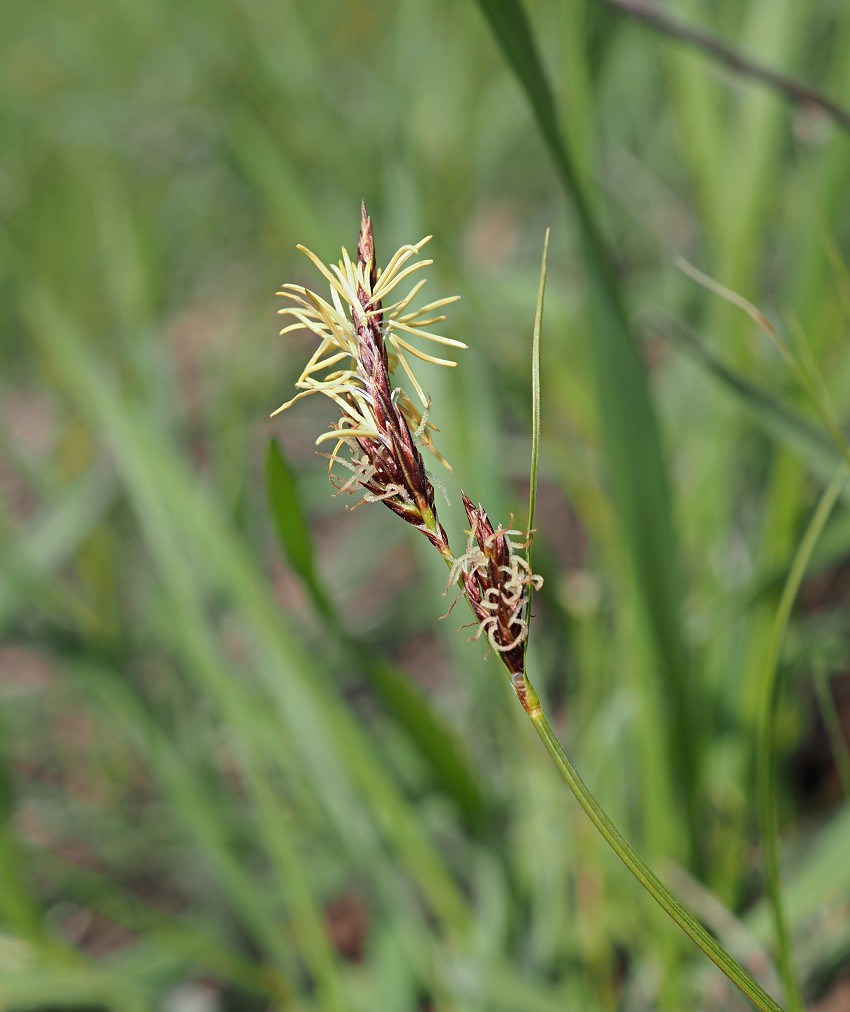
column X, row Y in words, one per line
column 530, row 702
column 766, row 743
column 790, row 88
column 647, row 878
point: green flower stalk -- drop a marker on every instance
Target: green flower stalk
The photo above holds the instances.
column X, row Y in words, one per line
column 362, row 340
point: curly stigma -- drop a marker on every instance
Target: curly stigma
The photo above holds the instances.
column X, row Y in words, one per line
column 496, row 581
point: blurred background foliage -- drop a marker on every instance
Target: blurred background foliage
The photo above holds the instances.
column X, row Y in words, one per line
column 233, row 778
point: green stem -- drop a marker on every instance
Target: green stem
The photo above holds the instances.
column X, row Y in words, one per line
column 766, row 740
column 622, row 848
column 647, row 878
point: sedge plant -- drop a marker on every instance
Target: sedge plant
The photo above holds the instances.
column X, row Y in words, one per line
column 367, row 329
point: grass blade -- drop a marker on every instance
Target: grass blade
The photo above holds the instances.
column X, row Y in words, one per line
column 779, row 422
column 535, row 408
column 768, row 697
column 291, row 525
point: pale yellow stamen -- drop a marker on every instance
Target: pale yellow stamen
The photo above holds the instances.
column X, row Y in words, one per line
column 331, row 322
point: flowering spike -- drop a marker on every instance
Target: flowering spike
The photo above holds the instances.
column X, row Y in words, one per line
column 362, row 340
column 354, row 325
column 359, row 344
column 495, row 581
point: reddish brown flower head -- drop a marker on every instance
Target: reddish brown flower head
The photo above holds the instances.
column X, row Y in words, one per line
column 391, row 467
column 496, row 580
column 362, row 340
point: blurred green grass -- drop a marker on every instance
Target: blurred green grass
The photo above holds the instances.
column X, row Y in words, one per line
column 213, row 789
